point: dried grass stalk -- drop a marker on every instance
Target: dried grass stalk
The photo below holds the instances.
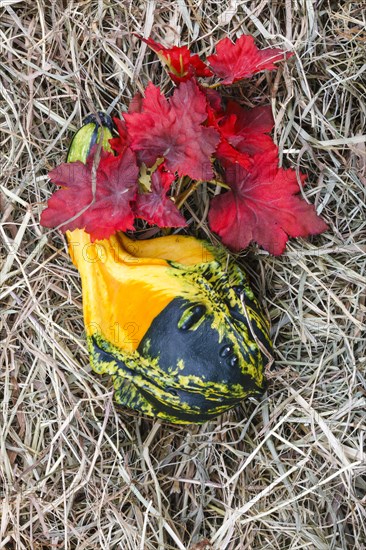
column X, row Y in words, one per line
column 76, row 471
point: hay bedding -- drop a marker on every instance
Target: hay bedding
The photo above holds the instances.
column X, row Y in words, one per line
column 286, row 473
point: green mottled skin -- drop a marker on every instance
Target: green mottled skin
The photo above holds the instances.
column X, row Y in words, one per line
column 207, row 284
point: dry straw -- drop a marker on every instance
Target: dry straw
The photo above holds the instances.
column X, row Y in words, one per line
column 76, row 472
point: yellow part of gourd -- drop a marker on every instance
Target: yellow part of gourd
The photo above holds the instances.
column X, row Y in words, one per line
column 126, row 283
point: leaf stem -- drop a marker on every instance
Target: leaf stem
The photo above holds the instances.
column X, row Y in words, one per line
column 184, row 196
column 211, row 86
column 181, row 198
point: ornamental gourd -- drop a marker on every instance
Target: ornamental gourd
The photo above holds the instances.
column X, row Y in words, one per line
column 171, row 319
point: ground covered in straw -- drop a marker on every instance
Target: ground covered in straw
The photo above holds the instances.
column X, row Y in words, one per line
column 78, row 472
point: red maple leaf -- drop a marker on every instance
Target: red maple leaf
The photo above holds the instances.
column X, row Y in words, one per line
column 72, row 200
column 102, row 213
column 242, row 59
column 227, row 155
column 119, row 144
column 263, row 205
column 155, row 206
column 246, row 129
column 135, row 105
column 242, row 132
column 213, row 100
column 181, row 64
column 172, row 129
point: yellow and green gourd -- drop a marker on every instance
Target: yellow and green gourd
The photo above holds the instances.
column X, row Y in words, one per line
column 171, row 319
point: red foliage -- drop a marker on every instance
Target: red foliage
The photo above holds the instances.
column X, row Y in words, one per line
column 155, row 206
column 187, row 132
column 263, row 205
column 119, row 144
column 102, row 213
column 242, row 133
column 247, row 129
column 242, row 59
column 227, row 154
column 181, row 64
column 135, row 105
column 172, row 129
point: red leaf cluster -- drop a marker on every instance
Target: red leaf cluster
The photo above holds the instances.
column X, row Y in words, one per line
column 263, row 205
column 242, row 59
column 181, row 64
column 155, row 206
column 103, row 211
column 173, row 129
column 193, row 136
